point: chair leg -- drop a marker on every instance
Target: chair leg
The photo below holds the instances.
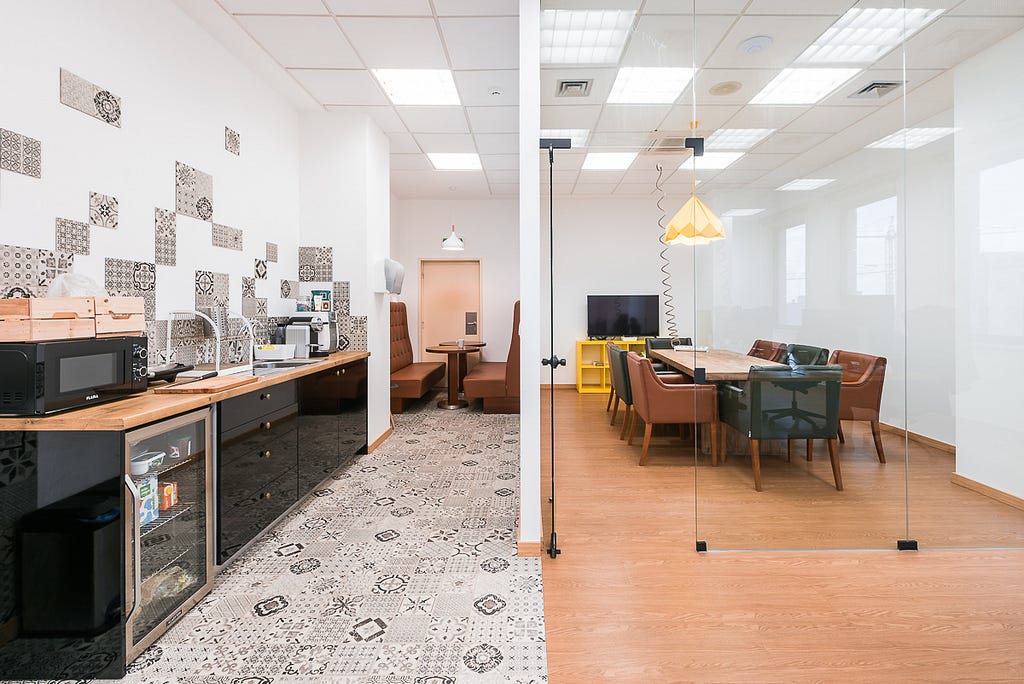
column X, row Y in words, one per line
column 810, row 450
column 627, row 415
column 714, row 442
column 632, row 428
column 755, row 462
column 833, row 454
column 789, row 450
column 877, row 434
column 647, row 442
column 611, row 395
column 842, row 439
column 615, row 410
column 723, row 437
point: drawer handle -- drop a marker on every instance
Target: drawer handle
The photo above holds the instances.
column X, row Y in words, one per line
column 266, row 425
column 265, row 395
column 265, row 495
column 265, row 454
column 338, row 372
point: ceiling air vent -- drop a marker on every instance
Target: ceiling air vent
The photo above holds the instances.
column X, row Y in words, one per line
column 876, row 90
column 666, row 144
column 574, row 88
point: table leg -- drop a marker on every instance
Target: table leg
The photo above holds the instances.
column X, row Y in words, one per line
column 453, row 401
column 463, row 363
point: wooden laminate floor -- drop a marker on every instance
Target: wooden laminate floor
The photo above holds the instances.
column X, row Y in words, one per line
column 629, row 600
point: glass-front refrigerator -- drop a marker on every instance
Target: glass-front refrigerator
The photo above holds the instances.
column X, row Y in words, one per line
column 169, row 531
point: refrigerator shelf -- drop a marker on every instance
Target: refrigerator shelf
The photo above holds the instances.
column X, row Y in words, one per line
column 166, row 516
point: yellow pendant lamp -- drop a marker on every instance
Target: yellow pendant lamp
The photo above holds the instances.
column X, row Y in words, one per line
column 694, row 224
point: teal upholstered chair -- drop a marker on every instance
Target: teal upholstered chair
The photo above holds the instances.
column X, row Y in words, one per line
column 805, row 355
column 780, row 402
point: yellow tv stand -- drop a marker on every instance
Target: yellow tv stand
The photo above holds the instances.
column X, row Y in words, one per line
column 593, row 374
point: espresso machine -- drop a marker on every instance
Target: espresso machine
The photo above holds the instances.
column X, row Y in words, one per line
column 311, row 334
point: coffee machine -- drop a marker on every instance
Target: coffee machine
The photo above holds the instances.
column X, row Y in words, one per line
column 312, row 335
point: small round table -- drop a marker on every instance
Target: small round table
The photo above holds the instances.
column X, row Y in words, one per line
column 456, row 371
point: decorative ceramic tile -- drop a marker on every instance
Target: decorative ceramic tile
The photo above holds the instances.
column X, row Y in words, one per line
column 204, row 288
column 261, row 269
column 227, row 237
column 102, row 210
column 249, row 307
column 289, row 289
column 316, row 264
column 126, row 278
column 272, row 252
column 27, row 272
column 341, row 297
column 193, row 192
column 72, row 236
column 248, row 287
column 89, row 98
column 261, row 307
column 20, row 153
column 165, row 228
column 359, row 335
column 221, row 289
column 232, row 141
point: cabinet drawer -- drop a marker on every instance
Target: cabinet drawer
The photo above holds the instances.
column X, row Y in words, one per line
column 248, row 465
column 241, row 520
column 257, row 431
column 252, row 406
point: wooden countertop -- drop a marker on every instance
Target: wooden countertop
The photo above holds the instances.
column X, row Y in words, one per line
column 139, row 409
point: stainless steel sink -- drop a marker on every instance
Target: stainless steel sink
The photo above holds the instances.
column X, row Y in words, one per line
column 268, row 367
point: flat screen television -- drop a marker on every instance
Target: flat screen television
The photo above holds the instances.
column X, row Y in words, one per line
column 623, row 315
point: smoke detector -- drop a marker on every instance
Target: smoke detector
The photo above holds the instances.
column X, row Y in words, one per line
column 574, row 88
column 755, row 45
column 876, row 90
column 725, row 88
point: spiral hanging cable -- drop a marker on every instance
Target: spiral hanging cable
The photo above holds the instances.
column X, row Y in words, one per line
column 670, row 308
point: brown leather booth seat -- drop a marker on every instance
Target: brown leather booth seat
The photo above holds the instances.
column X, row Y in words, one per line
column 409, row 380
column 497, row 383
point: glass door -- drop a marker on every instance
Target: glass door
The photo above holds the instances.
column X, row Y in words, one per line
column 169, row 555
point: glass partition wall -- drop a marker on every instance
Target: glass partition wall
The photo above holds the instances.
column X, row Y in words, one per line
column 863, row 159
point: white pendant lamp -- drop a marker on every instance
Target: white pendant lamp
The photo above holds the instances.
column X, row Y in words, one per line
column 452, row 243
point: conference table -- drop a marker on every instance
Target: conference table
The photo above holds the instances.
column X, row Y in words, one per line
column 720, row 365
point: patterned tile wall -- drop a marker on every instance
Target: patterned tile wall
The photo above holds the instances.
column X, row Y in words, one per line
column 227, row 237
column 89, row 98
column 72, row 236
column 20, row 153
column 260, row 269
column 193, row 192
column 166, row 236
column 271, row 252
column 126, row 278
column 103, row 210
column 316, row 264
column 27, row 272
column 232, row 141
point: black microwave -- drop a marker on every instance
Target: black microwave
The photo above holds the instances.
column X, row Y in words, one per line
column 44, row 377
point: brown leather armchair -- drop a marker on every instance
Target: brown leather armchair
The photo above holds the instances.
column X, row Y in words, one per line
column 861, row 393
column 497, row 382
column 766, row 349
column 656, row 402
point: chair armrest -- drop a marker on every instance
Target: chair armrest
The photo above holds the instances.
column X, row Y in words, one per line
column 726, row 388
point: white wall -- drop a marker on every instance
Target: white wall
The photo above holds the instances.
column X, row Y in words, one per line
column 990, row 267
column 179, row 89
column 490, row 230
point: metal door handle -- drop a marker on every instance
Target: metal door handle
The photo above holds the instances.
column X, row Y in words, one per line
column 265, row 454
column 266, row 425
column 136, row 553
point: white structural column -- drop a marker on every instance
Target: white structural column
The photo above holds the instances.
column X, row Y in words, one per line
column 345, row 204
column 529, row 277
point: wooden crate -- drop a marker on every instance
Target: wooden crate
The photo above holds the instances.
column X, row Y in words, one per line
column 47, row 318
column 119, row 316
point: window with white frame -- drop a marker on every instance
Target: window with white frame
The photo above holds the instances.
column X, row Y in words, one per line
column 795, row 283
column 876, row 247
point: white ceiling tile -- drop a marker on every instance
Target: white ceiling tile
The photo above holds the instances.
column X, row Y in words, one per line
column 302, row 41
column 761, row 162
column 703, row 7
column 274, row 6
column 828, row 119
column 408, row 8
column 591, row 4
column 660, row 41
column 505, row 189
column 634, row 190
column 438, row 185
column 915, row 78
column 410, row 162
column 467, row 8
column 565, row 160
column 947, row 41
column 497, row 143
column 601, row 175
column 790, row 36
column 602, row 78
column 1004, row 8
column 482, row 43
column 508, row 176
column 446, row 142
column 751, row 81
column 633, row 140
column 594, row 188
column 496, row 162
column 403, row 143
column 826, row 7
column 632, row 117
column 709, row 117
column 645, row 170
column 561, row 176
column 494, row 119
column 332, row 86
column 396, row 43
column 476, row 87
column 434, row 119
column 764, row 116
column 384, row 117
column 569, row 116
column 790, row 143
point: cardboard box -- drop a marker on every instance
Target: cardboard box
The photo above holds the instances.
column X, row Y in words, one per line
column 168, row 494
column 149, row 509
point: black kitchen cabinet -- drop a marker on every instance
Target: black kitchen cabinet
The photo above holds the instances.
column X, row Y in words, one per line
column 332, row 421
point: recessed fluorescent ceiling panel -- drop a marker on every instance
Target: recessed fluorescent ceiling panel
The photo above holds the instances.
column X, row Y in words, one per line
column 421, row 87
column 806, row 184
column 711, row 160
column 577, row 135
column 583, row 36
column 802, row 86
column 735, row 213
column 737, row 138
column 911, row 138
column 649, row 85
column 608, row 160
column 863, row 35
column 454, row 161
